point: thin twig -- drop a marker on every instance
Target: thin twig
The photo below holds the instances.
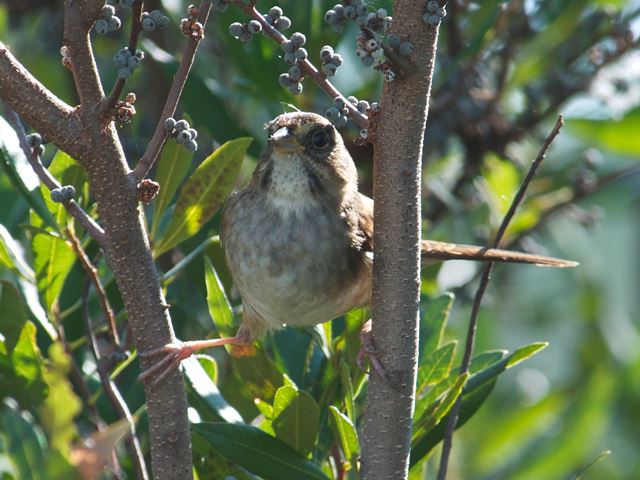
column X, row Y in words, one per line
column 484, row 281
column 89, row 224
column 160, row 135
column 136, row 28
column 112, row 391
column 92, row 272
column 306, row 65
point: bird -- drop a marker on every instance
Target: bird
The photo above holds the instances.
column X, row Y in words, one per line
column 298, row 239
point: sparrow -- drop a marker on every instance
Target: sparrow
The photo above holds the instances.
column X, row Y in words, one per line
column 298, row 239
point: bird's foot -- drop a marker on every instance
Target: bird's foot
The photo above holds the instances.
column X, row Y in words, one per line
column 174, row 353
column 368, row 350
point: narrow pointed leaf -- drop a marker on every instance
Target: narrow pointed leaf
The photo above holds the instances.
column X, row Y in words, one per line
column 219, row 307
column 204, row 192
column 53, row 258
column 435, row 318
column 14, row 315
column 256, row 451
column 435, row 366
column 12, row 255
column 345, row 433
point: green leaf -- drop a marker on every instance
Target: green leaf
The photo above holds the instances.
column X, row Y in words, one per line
column 256, row 451
column 219, row 307
column 25, row 443
column 204, row 395
column 21, row 371
column 259, row 374
column 14, row 315
column 296, row 418
column 61, row 405
column 345, row 433
column 204, row 192
column 12, row 256
column 435, row 366
column 617, row 136
column 53, row 258
column 435, row 318
column 15, row 165
column 172, row 167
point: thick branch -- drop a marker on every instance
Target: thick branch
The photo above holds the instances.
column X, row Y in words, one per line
column 396, row 281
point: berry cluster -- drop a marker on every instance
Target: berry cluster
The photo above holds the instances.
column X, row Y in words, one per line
column 293, row 54
column 190, row 26
column 351, row 10
column 338, row 114
column 66, row 57
column 292, row 79
column 34, row 140
column 277, row 20
column 182, row 132
column 330, row 61
column 125, row 109
column 434, row 14
column 63, row 194
column 245, row 31
column 107, row 20
column 154, row 19
column 127, row 62
column 220, row 5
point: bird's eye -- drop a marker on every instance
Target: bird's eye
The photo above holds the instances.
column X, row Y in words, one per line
column 320, row 139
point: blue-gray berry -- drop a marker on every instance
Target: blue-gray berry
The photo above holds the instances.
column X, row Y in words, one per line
column 405, row 48
column 275, row 12
column 432, row 6
column 374, row 107
column 193, row 132
column 301, row 53
column 34, row 140
column 67, row 193
column 298, row 39
column 182, row 125
column 107, row 12
column 339, row 103
column 114, row 23
column 381, row 13
column 235, row 29
column 342, row 121
column 169, row 124
column 350, row 12
column 295, row 88
column 290, row 58
column 330, row 17
column 191, row 145
column 364, row 133
column 124, row 73
column 254, row 27
column 287, row 46
column 326, row 53
column 352, row 100
column 183, row 136
column 160, row 18
column 394, row 40
column 149, row 24
column 362, row 106
column 55, row 195
column 389, row 76
column 133, row 62
column 102, row 26
column 336, row 59
column 339, row 9
column 295, row 73
column 332, row 114
column 284, row 80
column 433, row 20
column 283, row 23
column 329, row 69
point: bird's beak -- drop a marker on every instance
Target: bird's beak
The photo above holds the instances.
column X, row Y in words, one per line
column 282, row 140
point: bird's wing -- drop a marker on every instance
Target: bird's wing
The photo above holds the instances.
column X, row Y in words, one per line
column 365, row 221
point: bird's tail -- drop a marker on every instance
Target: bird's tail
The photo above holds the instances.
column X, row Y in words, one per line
column 452, row 251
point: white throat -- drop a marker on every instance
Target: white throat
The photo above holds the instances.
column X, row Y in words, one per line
column 289, row 187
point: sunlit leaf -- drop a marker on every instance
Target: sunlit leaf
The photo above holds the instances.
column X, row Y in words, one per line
column 53, row 258
column 434, row 320
column 295, row 418
column 67, row 171
column 204, row 192
column 435, row 366
column 219, row 307
column 14, row 315
column 258, row 452
column 345, row 433
column 259, row 374
column 173, row 165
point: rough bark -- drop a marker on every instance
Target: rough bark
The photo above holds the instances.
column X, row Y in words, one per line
column 399, row 134
column 92, row 141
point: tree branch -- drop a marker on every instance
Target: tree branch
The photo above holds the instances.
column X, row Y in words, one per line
column 396, row 268
column 484, row 281
column 160, row 135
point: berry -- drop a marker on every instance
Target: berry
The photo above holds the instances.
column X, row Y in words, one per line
column 295, row 88
column 393, row 40
column 148, row 24
column 336, row 59
column 102, row 26
column 389, row 76
column 339, row 103
column 326, row 53
column 290, row 58
column 364, row 133
column 381, row 13
column 330, row 17
column 55, row 195
column 132, row 63
column 433, row 20
column 191, row 145
column 350, row 12
column 374, row 107
column 67, row 193
column 432, row 6
column 284, row 80
column 254, row 27
column 363, row 106
column 353, row 100
column 287, row 46
column 372, row 44
column 124, row 73
column 298, row 39
column 275, row 12
column 194, row 133
column 405, row 48
column 341, row 122
column 339, row 9
column 160, row 18
column 114, row 23
column 169, row 124
column 283, row 23
column 182, row 125
column 329, row 69
column 183, row 136
column 301, row 53
column 295, row 73
column 367, row 60
column 235, row 29
column 332, row 114
column 245, row 37
column 34, row 140
column 107, row 12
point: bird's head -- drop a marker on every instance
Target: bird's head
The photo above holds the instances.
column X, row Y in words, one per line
column 305, row 156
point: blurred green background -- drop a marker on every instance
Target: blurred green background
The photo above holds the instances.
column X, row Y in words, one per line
column 504, row 72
